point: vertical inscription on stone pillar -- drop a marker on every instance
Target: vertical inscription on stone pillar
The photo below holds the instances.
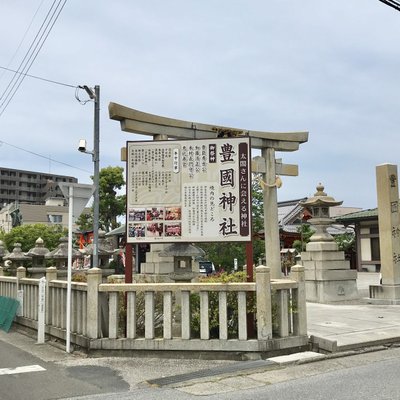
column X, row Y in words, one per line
column 389, row 230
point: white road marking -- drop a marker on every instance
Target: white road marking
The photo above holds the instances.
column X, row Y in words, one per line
column 21, row 370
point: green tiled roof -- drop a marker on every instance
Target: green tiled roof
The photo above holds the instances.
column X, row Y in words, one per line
column 359, row 215
column 117, row 231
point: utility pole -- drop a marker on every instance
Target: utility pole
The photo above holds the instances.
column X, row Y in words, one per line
column 96, row 163
column 95, row 96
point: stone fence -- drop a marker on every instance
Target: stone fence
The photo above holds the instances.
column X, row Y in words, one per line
column 262, row 316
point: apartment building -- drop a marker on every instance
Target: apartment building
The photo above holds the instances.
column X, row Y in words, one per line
column 29, row 187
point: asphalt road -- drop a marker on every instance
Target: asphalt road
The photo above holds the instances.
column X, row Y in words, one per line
column 367, row 376
column 25, row 376
column 42, row 372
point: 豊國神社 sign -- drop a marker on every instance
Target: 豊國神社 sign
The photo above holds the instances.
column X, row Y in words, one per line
column 189, row 190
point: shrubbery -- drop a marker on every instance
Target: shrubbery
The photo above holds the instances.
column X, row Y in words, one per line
column 232, row 305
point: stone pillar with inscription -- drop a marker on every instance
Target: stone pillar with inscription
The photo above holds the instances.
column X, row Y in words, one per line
column 389, row 234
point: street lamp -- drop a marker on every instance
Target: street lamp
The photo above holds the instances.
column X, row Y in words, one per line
column 95, row 96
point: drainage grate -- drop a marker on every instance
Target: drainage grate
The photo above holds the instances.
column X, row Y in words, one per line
column 204, row 373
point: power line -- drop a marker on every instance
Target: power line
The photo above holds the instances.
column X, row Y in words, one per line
column 22, row 72
column 391, row 3
column 40, row 78
column 42, row 156
column 30, row 56
column 23, row 37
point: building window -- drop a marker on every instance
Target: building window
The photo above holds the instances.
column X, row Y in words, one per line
column 54, row 219
column 375, row 249
column 374, row 230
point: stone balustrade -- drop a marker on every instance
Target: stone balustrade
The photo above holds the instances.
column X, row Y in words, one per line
column 159, row 316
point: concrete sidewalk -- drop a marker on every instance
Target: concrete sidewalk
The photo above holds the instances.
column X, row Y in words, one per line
column 345, row 326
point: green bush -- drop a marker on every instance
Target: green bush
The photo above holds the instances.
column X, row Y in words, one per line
column 140, row 312
column 79, row 277
column 213, row 298
column 158, row 314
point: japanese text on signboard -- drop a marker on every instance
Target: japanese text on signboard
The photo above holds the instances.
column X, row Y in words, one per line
column 189, row 190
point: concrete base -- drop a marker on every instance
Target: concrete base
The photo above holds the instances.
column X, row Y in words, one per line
column 385, row 294
column 154, row 263
column 156, row 268
column 328, row 275
column 331, row 291
column 195, row 348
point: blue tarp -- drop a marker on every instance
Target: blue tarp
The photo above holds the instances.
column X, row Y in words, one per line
column 8, row 309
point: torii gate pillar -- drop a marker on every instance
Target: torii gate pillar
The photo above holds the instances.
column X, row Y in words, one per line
column 271, row 224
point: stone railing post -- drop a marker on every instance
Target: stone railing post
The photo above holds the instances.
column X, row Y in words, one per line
column 264, row 310
column 299, row 301
column 21, row 272
column 51, row 274
column 94, row 278
column 19, row 294
column 1, row 271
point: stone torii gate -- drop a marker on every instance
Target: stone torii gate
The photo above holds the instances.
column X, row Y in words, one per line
column 162, row 128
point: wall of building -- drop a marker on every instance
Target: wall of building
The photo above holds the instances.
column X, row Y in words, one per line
column 369, row 246
column 48, row 214
column 29, row 186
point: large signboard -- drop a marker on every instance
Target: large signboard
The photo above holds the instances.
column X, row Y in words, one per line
column 189, row 190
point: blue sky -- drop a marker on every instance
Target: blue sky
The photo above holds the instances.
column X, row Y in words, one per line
column 330, row 68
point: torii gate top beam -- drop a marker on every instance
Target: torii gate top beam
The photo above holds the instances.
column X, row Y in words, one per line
column 149, row 124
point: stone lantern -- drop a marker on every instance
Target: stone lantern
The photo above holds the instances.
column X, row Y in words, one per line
column 103, row 249
column 16, row 257
column 319, row 206
column 60, row 254
column 327, row 273
column 37, row 253
column 183, row 254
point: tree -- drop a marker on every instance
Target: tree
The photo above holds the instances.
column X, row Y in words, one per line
column 28, row 234
column 257, row 203
column 346, row 242
column 111, row 205
column 257, row 217
column 85, row 221
column 306, row 232
column 223, row 254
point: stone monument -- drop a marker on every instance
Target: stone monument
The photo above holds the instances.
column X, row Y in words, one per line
column 389, row 234
column 328, row 275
